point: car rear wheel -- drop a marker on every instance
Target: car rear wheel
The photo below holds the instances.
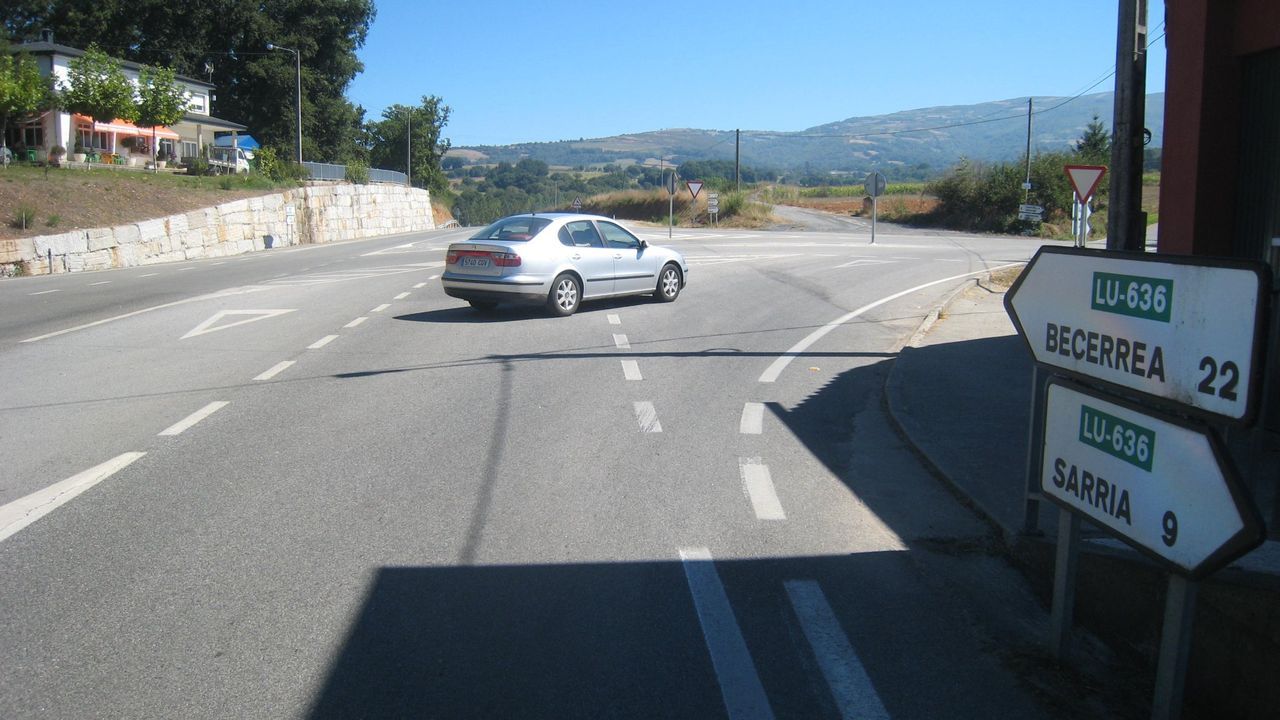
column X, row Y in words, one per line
column 668, row 284
column 483, row 304
column 565, row 295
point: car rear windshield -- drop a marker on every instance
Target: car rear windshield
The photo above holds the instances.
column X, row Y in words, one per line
column 517, row 229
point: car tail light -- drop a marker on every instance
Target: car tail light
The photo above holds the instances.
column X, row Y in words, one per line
column 451, row 258
column 506, row 259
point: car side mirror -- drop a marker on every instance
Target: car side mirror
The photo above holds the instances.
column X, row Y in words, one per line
column 643, row 244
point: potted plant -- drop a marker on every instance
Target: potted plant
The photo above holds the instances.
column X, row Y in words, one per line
column 162, row 158
column 55, row 154
column 79, row 155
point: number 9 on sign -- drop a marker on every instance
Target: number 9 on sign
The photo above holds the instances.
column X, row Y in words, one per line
column 1170, row 535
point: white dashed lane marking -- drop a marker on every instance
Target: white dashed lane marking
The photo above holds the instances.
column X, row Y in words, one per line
column 631, row 370
column 744, row 696
column 104, row 282
column 44, row 292
column 183, row 425
column 356, row 322
column 401, row 296
column 322, row 342
column 380, row 308
column 614, row 319
column 647, row 416
column 26, row 510
column 275, row 370
column 759, row 487
column 854, row 694
column 752, row 422
column 419, row 286
column 621, row 342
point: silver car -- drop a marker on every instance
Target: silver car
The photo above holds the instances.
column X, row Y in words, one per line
column 559, row 259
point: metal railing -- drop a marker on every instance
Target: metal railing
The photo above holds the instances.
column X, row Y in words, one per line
column 328, row 171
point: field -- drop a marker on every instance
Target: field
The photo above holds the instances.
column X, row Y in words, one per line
column 68, row 199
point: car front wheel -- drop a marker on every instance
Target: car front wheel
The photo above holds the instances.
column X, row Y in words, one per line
column 668, row 284
column 565, row 295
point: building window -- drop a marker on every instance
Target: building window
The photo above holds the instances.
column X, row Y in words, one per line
column 33, row 136
column 189, row 149
column 92, row 140
column 199, row 103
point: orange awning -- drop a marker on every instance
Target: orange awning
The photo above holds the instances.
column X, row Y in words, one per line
column 124, row 127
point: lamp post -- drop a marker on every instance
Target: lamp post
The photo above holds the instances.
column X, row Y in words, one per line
column 297, row 60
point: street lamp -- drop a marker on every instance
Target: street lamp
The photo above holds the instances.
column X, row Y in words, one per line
column 297, row 60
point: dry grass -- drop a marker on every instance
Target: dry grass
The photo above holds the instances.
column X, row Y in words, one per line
column 79, row 199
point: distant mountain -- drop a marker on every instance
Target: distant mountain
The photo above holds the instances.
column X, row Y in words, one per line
column 907, row 144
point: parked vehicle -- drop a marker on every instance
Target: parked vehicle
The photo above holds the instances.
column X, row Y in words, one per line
column 229, row 159
column 559, row 259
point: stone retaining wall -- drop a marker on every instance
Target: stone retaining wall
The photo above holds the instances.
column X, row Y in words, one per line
column 306, row 215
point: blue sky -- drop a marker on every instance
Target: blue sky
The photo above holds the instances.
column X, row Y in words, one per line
column 530, row 70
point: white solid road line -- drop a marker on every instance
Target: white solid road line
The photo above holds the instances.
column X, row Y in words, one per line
column 322, row 342
column 631, row 370
column 195, row 417
column 854, row 694
column 621, row 342
column 775, row 369
column 356, row 322
column 740, row 686
column 401, row 296
column 759, row 487
column 275, row 370
column 198, row 298
column 380, row 308
column 647, row 416
column 752, row 422
column 614, row 319
column 24, row 511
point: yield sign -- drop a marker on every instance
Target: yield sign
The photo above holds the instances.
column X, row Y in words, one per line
column 1084, row 179
column 694, row 187
column 211, row 325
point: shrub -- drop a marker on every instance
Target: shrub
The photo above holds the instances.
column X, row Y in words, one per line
column 24, row 216
column 198, row 166
column 53, row 220
column 358, row 173
column 271, row 165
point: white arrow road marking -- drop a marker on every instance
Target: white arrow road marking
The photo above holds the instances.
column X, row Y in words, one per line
column 198, row 298
column 211, row 325
column 752, row 422
column 759, row 486
column 275, row 370
column 647, row 416
column 24, row 511
column 740, row 686
column 195, row 417
column 631, row 370
column 854, row 694
column 776, row 368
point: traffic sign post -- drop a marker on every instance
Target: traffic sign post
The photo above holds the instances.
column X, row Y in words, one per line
column 1084, row 180
column 713, row 206
column 874, row 185
column 1150, row 342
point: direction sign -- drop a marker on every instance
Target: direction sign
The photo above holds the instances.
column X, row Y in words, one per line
column 1185, row 330
column 694, row 187
column 1084, row 179
column 1030, row 209
column 1164, row 486
column 875, row 184
column 1035, row 216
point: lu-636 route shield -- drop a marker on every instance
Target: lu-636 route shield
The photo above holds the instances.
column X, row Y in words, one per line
column 1184, row 330
column 1164, row 486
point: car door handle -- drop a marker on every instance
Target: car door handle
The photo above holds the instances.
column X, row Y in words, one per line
column 618, row 256
column 576, row 256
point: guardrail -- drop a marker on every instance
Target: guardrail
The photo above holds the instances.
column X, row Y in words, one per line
column 328, row 171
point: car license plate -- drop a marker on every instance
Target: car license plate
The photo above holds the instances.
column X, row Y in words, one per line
column 474, row 262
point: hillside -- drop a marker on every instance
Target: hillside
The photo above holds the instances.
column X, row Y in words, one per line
column 909, row 144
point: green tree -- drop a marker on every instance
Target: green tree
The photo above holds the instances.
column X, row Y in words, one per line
column 161, row 101
column 98, row 88
column 22, row 89
column 256, row 87
column 1094, row 146
column 387, row 142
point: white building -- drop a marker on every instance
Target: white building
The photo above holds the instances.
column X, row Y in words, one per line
column 111, row 141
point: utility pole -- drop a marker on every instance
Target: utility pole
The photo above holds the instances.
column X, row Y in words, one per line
column 1026, row 185
column 1126, row 223
column 737, row 157
column 408, row 150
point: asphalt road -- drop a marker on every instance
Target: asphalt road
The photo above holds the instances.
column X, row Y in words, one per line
column 306, row 483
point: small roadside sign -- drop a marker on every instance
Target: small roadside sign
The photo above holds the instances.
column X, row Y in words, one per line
column 875, row 184
column 1032, row 216
column 1184, row 330
column 1030, row 209
column 577, row 204
column 671, row 183
column 694, row 187
column 1084, row 179
column 1164, row 486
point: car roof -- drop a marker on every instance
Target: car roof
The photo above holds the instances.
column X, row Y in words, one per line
column 562, row 216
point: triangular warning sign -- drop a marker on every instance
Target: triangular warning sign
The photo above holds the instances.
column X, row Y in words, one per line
column 1084, row 179
column 694, row 187
column 248, row 316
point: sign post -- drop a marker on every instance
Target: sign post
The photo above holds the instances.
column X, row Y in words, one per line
column 874, row 185
column 670, row 181
column 1084, row 180
column 713, row 206
column 1156, row 347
